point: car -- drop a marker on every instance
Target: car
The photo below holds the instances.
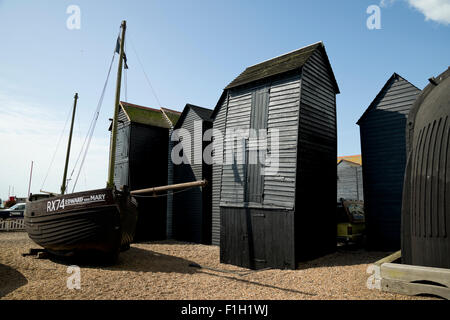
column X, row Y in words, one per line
column 16, row 211
column 350, row 221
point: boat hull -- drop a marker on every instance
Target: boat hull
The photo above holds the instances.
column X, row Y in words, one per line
column 102, row 220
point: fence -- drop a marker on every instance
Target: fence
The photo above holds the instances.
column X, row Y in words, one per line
column 17, row 224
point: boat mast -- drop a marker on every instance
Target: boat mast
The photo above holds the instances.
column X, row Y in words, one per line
column 112, row 151
column 31, row 175
column 63, row 186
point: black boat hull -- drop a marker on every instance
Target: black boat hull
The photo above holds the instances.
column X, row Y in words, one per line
column 101, row 220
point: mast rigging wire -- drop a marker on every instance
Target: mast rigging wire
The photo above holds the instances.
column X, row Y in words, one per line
column 57, row 147
column 88, row 138
column 143, row 70
column 125, row 84
column 125, row 74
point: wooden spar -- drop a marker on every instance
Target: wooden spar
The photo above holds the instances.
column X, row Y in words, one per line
column 63, row 186
column 112, row 151
column 199, row 183
column 49, row 192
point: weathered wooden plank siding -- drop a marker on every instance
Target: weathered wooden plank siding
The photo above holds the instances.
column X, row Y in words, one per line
column 282, row 117
column 383, row 149
column 261, row 237
column 233, row 174
column 121, row 173
column 272, row 229
column 349, row 183
column 219, row 124
column 207, row 191
column 170, row 180
column 279, row 188
column 188, row 208
column 317, row 151
column 148, row 168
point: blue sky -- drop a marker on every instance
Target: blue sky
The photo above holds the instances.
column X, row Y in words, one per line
column 190, row 50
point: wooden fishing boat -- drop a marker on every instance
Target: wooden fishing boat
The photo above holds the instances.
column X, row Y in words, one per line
column 102, row 220
column 94, row 221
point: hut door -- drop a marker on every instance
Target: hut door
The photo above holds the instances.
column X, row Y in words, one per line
column 121, row 176
column 258, row 121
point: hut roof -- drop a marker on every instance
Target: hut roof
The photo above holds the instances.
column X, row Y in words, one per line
column 144, row 115
column 281, row 64
column 354, row 159
column 203, row 113
column 380, row 94
column 172, row 115
column 149, row 116
column 276, row 66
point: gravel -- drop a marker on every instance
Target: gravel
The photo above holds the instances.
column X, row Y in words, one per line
column 161, row 270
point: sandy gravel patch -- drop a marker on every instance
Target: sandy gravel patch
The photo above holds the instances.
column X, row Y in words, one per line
column 160, row 270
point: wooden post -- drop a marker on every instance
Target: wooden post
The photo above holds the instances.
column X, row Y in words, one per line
column 199, row 183
column 31, row 174
column 49, row 192
column 112, row 151
column 63, row 186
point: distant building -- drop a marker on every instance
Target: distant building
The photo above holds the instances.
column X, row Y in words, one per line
column 349, row 178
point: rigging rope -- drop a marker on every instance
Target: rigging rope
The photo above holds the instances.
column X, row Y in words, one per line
column 84, row 168
column 143, row 70
column 125, row 84
column 125, row 75
column 57, row 147
column 94, row 118
column 88, row 138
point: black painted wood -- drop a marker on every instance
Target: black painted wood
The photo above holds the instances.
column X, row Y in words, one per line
column 141, row 162
column 316, row 184
column 258, row 122
column 294, row 219
column 257, row 238
column 383, row 147
column 148, row 168
column 192, row 208
column 426, row 196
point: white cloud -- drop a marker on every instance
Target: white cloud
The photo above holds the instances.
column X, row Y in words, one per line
column 436, row 10
column 386, row 3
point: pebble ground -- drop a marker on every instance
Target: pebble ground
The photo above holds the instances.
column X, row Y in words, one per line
column 161, row 270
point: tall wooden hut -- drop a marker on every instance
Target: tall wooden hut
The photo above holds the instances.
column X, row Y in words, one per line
column 349, row 178
column 172, row 118
column 141, row 162
column 383, row 147
column 287, row 214
column 192, row 207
